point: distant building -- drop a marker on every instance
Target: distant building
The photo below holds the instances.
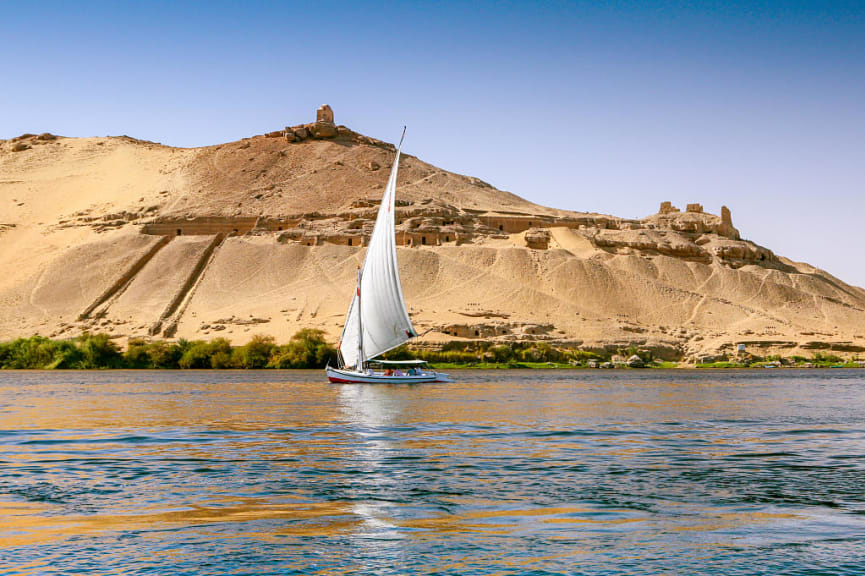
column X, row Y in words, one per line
column 324, row 114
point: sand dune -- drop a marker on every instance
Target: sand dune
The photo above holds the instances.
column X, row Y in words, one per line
column 270, row 234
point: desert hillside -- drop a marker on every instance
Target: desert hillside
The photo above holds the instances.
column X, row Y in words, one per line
column 263, row 235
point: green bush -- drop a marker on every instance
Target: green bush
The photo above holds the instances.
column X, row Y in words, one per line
column 221, row 353
column 199, row 354
column 400, row 353
column 98, row 351
column 66, row 355
column 196, row 355
column 155, row 354
column 306, row 349
column 136, row 355
column 164, row 355
column 28, row 353
column 256, row 353
column 478, row 352
column 501, row 353
column 822, row 358
column 583, row 355
column 39, row 352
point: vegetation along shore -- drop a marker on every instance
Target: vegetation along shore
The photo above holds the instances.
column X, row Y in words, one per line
column 308, row 348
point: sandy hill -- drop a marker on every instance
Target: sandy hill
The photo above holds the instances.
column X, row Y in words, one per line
column 263, row 236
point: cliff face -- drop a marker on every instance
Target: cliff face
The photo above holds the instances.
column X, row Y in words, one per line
column 263, row 236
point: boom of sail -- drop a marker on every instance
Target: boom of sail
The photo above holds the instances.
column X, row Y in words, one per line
column 377, row 319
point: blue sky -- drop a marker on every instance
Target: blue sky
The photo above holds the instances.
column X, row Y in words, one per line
column 609, row 107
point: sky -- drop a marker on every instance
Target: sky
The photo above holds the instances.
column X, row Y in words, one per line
column 607, row 107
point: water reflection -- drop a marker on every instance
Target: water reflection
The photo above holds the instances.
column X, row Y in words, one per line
column 370, row 412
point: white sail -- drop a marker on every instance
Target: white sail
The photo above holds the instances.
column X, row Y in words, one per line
column 385, row 319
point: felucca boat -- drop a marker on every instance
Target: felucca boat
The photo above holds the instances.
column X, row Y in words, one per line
column 377, row 319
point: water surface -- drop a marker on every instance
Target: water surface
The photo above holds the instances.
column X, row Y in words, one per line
column 503, row 472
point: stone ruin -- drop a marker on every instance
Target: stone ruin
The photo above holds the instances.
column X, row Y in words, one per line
column 692, row 234
column 322, row 128
column 324, row 114
column 726, row 228
column 695, row 219
column 325, row 128
column 667, row 208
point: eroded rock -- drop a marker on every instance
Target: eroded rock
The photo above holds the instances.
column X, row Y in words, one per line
column 664, row 242
column 321, row 130
column 538, row 238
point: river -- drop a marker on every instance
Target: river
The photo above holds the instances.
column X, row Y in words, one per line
column 502, row 472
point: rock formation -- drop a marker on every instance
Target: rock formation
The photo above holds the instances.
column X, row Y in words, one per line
column 134, row 238
column 538, row 238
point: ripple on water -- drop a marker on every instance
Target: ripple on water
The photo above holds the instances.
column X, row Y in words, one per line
column 501, row 473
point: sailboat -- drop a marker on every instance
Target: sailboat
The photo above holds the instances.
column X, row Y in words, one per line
column 377, row 319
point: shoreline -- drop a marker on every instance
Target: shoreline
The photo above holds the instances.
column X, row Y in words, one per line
column 468, row 367
column 308, row 349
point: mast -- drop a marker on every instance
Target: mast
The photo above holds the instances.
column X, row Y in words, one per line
column 386, row 323
column 359, row 325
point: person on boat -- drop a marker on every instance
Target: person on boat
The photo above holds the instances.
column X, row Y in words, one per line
column 388, row 372
column 398, row 372
column 411, row 372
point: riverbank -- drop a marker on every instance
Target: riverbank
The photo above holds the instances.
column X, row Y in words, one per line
column 308, row 349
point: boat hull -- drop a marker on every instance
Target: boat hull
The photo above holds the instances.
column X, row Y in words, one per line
column 338, row 376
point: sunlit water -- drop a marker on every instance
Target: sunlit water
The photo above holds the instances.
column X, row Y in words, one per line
column 540, row 472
